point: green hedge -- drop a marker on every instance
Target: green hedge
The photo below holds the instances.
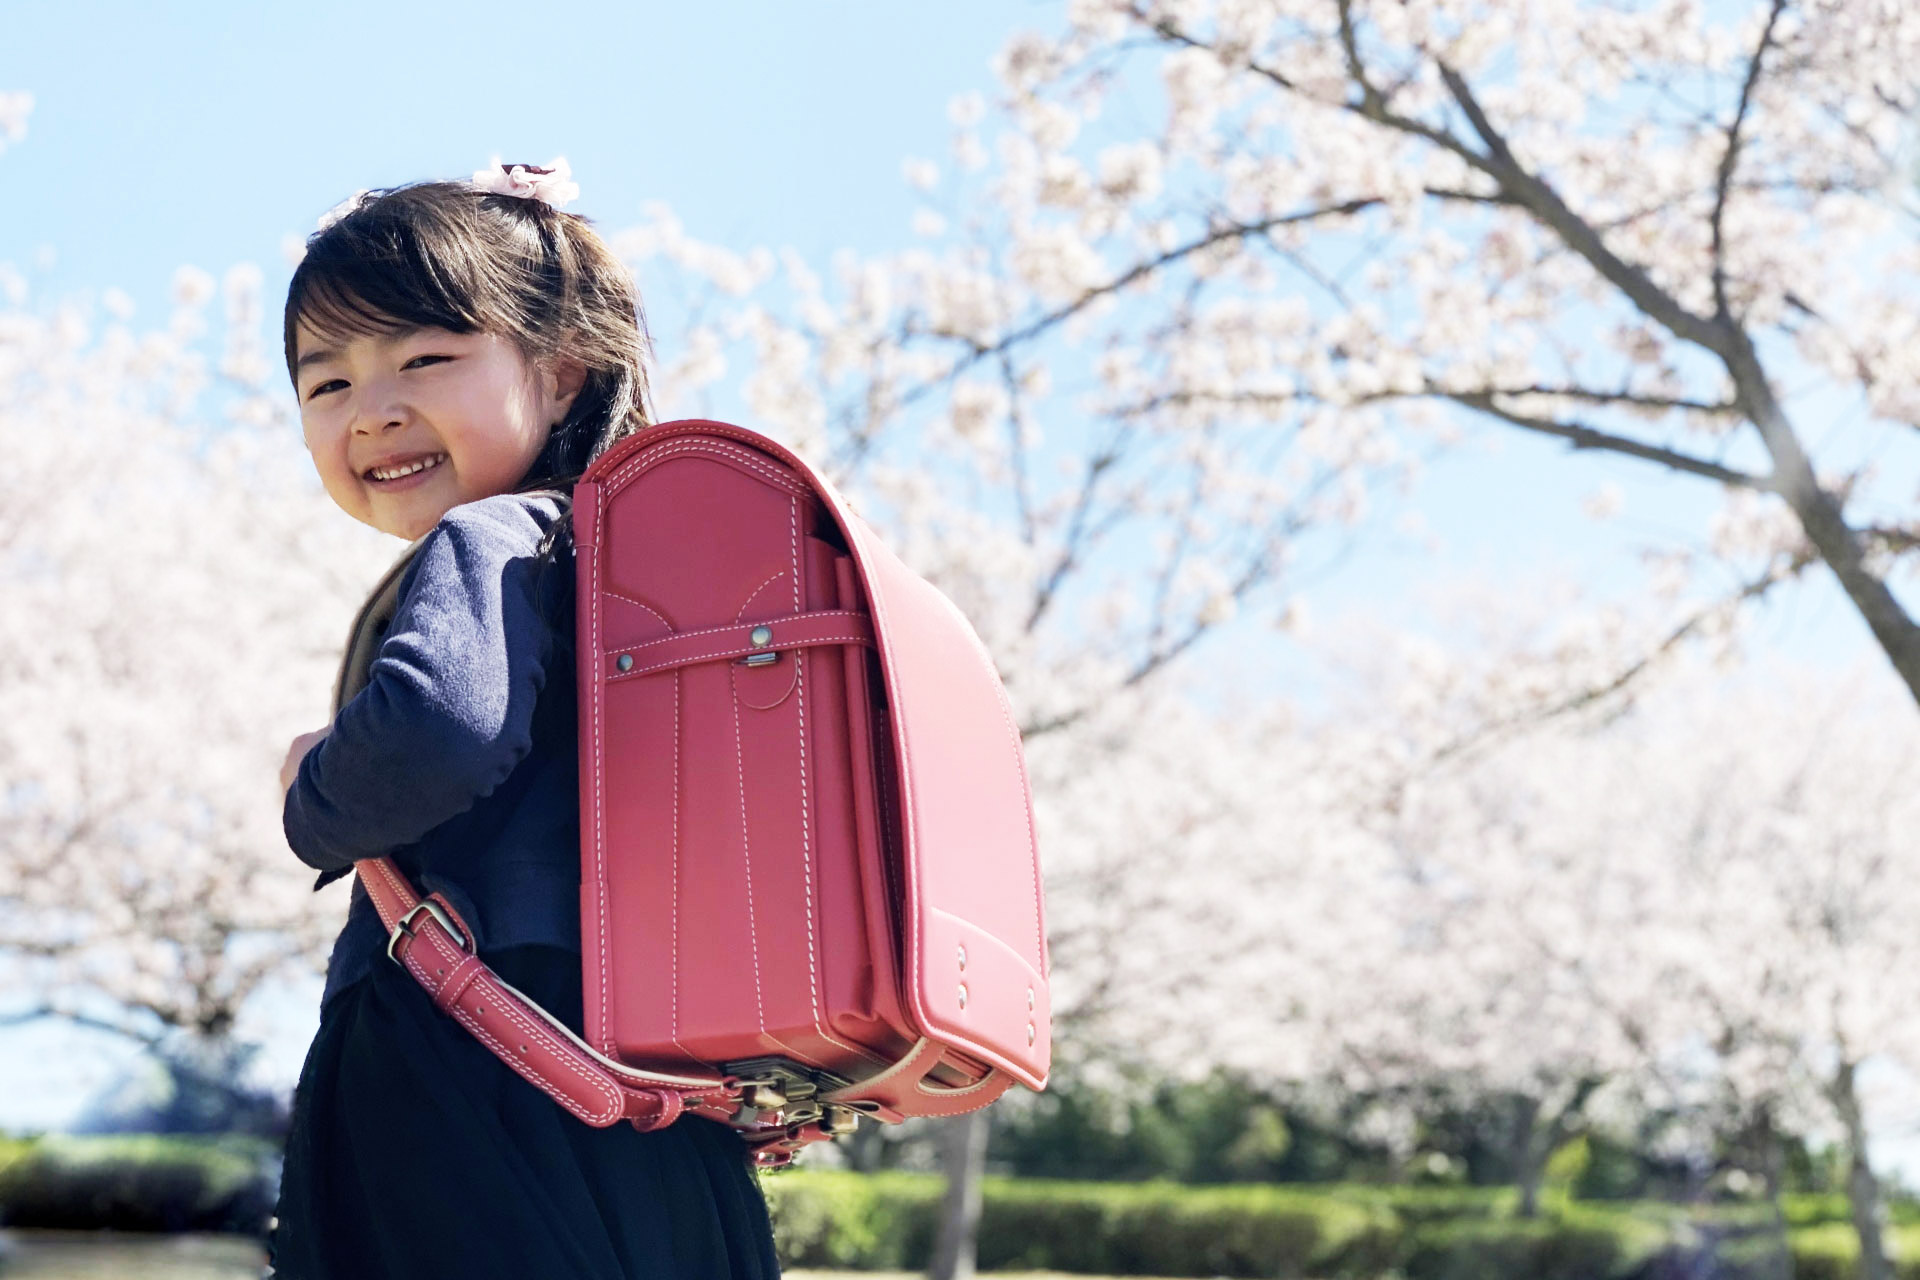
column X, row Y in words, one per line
column 139, row 1182
column 835, row 1219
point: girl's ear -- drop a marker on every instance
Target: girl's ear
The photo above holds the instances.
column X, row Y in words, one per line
column 563, row 377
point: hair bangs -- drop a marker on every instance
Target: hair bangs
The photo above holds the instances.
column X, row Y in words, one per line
column 372, row 276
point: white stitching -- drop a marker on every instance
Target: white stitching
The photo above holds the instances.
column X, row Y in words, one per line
column 401, row 890
column 895, row 1072
column 754, row 594
column 731, row 652
column 1033, row 844
column 909, row 827
column 597, row 711
column 806, row 812
column 752, row 461
column 944, row 1091
column 746, row 849
column 673, row 1016
column 609, row 591
column 693, row 428
column 806, row 809
column 557, row 1092
column 909, row 816
column 731, row 626
column 552, row 1043
column 979, row 649
column 652, row 457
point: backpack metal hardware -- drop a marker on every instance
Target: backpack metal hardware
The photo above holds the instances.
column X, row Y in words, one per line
column 403, row 927
column 759, row 638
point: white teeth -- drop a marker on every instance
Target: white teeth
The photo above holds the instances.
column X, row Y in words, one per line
column 394, row 473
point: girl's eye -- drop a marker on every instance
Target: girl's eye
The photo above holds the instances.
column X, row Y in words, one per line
column 408, row 365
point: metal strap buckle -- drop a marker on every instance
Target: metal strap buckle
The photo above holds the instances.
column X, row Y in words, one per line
column 432, row 908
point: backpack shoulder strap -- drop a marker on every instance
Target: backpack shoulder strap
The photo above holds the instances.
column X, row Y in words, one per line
column 427, row 938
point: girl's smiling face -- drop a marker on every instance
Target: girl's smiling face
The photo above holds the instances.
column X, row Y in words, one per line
column 405, row 426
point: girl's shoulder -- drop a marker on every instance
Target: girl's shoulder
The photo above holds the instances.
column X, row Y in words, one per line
column 523, row 519
column 508, row 545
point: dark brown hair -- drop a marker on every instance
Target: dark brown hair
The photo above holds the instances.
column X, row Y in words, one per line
column 451, row 256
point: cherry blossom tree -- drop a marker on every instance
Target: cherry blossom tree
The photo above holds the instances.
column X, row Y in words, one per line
column 1659, row 231
column 1141, row 376
column 176, row 585
column 1779, row 919
column 1702, row 900
column 1286, row 234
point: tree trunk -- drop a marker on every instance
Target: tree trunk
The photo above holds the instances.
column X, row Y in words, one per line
column 865, row 1147
column 1863, row 1189
column 1529, row 1163
column 1767, row 1157
column 964, row 1157
column 1821, row 517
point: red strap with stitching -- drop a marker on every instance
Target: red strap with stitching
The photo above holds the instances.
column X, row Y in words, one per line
column 741, row 640
column 517, row 1032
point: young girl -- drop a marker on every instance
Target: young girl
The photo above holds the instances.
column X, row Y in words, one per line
column 461, row 351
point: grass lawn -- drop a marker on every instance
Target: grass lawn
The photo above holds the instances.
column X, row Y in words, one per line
column 64, row 1255
column 83, row 1255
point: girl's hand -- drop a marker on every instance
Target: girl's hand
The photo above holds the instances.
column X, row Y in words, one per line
column 295, row 754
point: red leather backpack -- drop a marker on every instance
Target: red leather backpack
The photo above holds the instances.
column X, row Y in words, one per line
column 810, row 890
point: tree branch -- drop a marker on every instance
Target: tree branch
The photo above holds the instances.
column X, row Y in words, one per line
column 1486, row 401
column 38, row 1013
column 1893, row 539
column 1585, row 437
column 1588, row 697
column 1545, row 203
column 1729, row 159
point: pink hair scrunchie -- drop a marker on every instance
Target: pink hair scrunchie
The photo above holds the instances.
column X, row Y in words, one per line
column 553, row 184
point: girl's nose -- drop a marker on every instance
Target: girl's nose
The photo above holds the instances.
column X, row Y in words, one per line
column 380, row 412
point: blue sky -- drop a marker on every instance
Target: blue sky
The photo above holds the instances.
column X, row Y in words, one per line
column 206, row 134
column 159, row 140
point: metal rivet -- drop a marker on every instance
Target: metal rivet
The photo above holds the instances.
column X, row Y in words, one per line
column 963, row 995
column 479, row 1008
column 963, row 955
column 440, row 971
column 523, row 1048
column 1030, row 1033
column 1029, row 999
column 760, row 636
column 624, row 662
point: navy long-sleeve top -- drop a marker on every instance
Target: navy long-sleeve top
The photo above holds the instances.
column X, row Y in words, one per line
column 459, row 758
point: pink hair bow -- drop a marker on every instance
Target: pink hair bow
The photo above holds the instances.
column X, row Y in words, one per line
column 553, row 184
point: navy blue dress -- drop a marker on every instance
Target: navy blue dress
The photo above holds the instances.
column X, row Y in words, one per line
column 414, row 1151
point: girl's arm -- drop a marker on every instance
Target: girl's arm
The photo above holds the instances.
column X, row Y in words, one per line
column 448, row 711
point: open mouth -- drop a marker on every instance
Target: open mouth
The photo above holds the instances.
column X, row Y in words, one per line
column 394, row 472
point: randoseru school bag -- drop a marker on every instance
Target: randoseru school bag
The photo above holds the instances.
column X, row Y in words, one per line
column 810, row 890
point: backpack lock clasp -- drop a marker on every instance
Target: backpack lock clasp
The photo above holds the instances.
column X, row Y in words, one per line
column 760, row 636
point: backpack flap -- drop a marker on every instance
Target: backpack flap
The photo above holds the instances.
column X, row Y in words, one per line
column 975, row 970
